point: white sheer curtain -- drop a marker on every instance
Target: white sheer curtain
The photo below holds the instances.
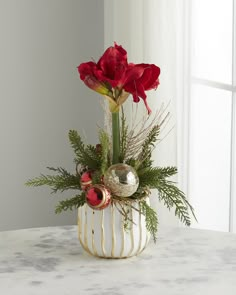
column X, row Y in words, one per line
column 194, row 43
column 151, row 32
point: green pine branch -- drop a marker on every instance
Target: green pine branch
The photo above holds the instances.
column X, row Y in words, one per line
column 91, row 157
column 70, row 204
column 152, row 176
column 169, row 193
column 61, row 182
column 85, row 155
column 164, row 172
column 76, row 142
column 147, row 147
column 96, row 177
column 133, row 162
column 150, row 218
column 172, row 196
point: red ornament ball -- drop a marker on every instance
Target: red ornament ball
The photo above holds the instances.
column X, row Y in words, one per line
column 98, row 197
column 86, row 180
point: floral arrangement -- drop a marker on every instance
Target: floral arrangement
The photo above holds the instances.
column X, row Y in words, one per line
column 119, row 168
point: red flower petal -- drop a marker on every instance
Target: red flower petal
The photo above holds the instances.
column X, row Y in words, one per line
column 139, row 78
column 113, row 71
column 150, row 76
column 112, row 66
column 86, row 69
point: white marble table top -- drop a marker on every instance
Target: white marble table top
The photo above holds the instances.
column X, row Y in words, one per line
column 51, row 261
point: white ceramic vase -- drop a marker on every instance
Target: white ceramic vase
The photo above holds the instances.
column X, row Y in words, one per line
column 107, row 233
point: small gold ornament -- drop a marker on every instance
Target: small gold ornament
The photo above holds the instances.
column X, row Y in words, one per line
column 122, row 180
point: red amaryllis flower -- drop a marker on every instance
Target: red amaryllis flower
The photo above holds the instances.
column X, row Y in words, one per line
column 113, row 76
column 112, row 66
column 139, row 78
column 87, row 75
column 109, row 71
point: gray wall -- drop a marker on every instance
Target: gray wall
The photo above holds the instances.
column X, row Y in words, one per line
column 41, row 98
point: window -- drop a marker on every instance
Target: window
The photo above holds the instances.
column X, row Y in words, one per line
column 211, row 113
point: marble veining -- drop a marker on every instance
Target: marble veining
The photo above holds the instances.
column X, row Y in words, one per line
column 50, row 260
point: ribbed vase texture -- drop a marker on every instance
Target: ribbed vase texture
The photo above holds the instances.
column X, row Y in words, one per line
column 107, row 233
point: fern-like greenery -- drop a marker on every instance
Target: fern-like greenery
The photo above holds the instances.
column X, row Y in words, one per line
column 61, row 182
column 97, row 159
column 152, row 176
column 147, row 147
column 172, row 196
column 85, row 155
column 70, row 204
column 169, row 193
column 150, row 218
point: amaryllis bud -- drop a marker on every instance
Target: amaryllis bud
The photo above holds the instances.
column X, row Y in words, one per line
column 97, row 86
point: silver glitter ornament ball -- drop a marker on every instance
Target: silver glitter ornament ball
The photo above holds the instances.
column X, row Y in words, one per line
column 121, row 179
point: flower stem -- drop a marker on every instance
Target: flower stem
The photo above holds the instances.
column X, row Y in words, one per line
column 115, row 137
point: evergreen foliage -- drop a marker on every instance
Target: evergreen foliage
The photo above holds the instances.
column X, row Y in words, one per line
column 70, row 204
column 61, row 182
column 150, row 218
column 147, row 147
column 85, row 155
column 98, row 159
column 105, row 160
column 172, row 196
column 133, row 162
column 152, row 176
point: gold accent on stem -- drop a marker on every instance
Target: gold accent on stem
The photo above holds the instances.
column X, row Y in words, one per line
column 122, row 98
column 103, row 235
column 92, row 231
column 113, row 232
column 131, row 233
column 113, row 106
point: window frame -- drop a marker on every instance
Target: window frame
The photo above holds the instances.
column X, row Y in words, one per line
column 184, row 128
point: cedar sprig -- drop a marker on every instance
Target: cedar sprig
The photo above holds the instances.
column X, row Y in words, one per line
column 148, row 145
column 172, row 196
column 61, row 182
column 152, row 176
column 150, row 218
column 70, row 204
